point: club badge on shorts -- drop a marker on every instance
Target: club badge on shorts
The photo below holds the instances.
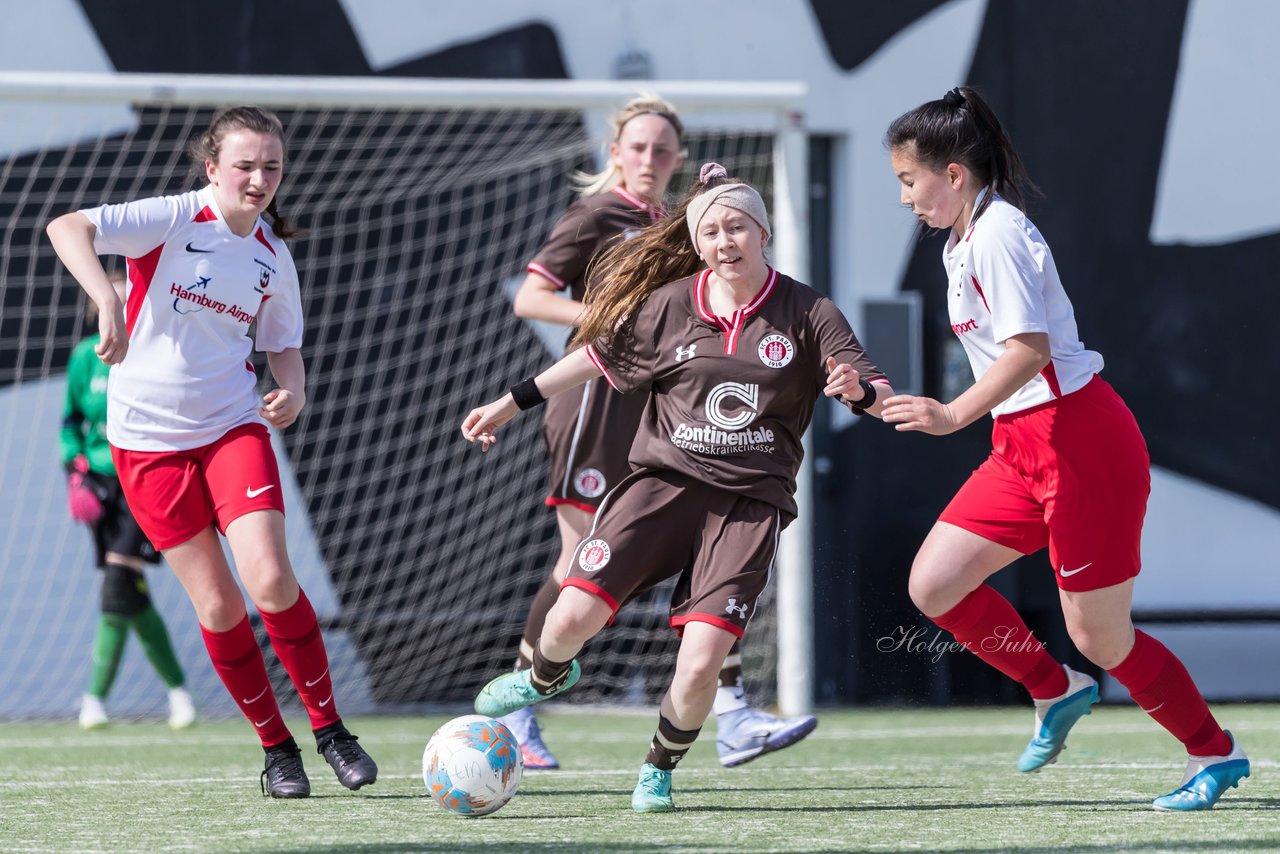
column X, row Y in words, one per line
column 776, row 351
column 590, row 483
column 593, row 555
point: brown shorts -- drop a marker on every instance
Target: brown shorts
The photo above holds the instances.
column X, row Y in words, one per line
column 589, row 437
column 656, row 524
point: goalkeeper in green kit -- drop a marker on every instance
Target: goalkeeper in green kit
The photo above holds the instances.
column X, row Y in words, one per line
column 94, row 498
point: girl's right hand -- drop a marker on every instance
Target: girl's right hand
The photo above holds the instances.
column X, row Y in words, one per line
column 114, row 337
column 480, row 424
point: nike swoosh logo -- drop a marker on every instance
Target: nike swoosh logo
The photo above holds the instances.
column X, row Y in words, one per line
column 318, row 678
column 260, row 723
column 1067, row 573
column 1156, row 709
column 326, row 702
column 191, row 248
column 254, row 493
column 259, row 697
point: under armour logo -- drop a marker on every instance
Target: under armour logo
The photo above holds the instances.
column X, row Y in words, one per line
column 734, row 608
column 683, row 353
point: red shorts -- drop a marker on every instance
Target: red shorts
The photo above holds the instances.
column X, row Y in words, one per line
column 1073, row 474
column 175, row 495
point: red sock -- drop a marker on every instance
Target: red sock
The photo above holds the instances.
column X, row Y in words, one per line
column 988, row 626
column 236, row 657
column 1162, row 687
column 295, row 636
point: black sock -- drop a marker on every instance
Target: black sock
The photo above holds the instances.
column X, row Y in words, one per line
column 286, row 746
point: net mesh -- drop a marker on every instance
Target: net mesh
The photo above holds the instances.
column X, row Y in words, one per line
column 420, row 554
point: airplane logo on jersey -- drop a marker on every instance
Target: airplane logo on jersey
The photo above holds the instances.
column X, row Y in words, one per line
column 196, row 298
column 776, row 351
column 187, row 300
column 683, row 353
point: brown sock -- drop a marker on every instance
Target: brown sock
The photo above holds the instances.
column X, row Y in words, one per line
column 548, row 675
column 538, row 610
column 669, row 744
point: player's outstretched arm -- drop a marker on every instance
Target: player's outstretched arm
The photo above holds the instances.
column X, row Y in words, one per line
column 1024, row 356
column 570, row 372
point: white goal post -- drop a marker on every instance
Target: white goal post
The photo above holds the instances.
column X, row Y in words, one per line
column 415, row 194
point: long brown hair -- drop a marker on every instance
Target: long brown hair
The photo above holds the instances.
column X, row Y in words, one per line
column 623, row 276
column 208, row 145
column 960, row 127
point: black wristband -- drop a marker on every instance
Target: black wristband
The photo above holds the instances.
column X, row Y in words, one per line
column 868, row 399
column 526, row 394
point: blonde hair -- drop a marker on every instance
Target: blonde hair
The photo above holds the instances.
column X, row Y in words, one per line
column 631, row 270
column 589, row 184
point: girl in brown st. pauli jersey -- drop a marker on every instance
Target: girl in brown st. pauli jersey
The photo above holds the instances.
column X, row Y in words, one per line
column 588, row 434
column 734, row 356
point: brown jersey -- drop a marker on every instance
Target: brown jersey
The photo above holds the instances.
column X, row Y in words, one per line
column 729, row 398
column 587, row 227
column 589, row 435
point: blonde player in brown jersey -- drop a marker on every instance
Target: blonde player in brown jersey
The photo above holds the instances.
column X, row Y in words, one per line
column 734, row 357
column 589, row 434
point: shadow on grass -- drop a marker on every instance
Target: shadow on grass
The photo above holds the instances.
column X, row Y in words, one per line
column 586, row 847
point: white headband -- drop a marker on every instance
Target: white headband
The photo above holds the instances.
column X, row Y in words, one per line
column 737, row 196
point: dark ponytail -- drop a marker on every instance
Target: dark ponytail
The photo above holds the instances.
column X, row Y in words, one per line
column 960, row 127
column 207, row 145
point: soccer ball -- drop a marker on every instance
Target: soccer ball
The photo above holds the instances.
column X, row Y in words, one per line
column 472, row 765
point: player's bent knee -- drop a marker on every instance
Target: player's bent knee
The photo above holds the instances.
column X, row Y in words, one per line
column 124, row 591
column 577, row 615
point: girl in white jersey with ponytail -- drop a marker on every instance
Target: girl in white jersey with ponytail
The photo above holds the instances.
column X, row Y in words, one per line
column 187, row 430
column 1068, row 469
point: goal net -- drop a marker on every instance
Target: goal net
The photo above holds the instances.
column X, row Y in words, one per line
column 421, row 201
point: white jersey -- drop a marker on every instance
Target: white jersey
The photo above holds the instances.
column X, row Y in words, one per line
column 1001, row 282
column 194, row 289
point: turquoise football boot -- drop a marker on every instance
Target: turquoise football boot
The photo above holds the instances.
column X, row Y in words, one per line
column 653, row 790
column 1055, row 718
column 1207, row 779
column 514, row 690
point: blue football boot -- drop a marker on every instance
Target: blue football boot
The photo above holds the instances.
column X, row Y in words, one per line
column 1055, row 718
column 514, row 690
column 1207, row 779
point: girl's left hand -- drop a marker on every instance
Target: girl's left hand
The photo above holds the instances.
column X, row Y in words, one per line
column 908, row 412
column 281, row 407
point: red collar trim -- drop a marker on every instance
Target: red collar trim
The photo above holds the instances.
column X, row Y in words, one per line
column 638, row 203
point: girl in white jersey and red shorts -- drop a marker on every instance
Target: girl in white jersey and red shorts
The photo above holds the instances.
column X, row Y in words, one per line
column 1068, row 468
column 188, row 433
column 589, row 435
column 733, row 357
